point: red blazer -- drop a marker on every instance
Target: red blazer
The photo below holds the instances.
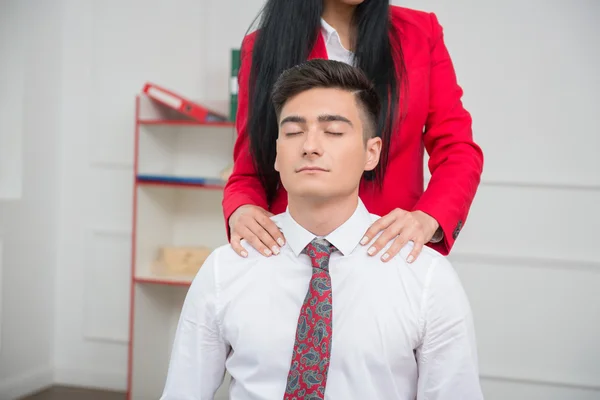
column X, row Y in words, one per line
column 435, row 120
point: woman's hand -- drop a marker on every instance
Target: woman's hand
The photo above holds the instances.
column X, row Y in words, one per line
column 254, row 224
column 401, row 226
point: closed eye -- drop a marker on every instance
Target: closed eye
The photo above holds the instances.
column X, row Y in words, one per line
column 292, row 133
column 335, row 133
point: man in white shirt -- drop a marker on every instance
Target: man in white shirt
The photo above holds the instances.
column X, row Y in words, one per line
column 349, row 327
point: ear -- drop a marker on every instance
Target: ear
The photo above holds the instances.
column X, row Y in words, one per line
column 373, row 148
column 276, row 166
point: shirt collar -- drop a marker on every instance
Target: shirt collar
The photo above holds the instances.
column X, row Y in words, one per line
column 327, row 30
column 345, row 238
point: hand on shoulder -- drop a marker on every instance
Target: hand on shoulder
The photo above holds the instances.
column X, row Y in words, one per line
column 254, row 224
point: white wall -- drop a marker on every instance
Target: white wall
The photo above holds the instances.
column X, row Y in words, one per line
column 527, row 255
column 110, row 48
column 30, row 99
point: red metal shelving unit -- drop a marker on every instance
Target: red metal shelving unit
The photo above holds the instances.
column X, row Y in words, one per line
column 177, row 194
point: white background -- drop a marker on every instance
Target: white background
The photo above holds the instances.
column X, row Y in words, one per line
column 528, row 256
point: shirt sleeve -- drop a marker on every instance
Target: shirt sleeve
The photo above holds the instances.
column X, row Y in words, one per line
column 447, row 358
column 197, row 364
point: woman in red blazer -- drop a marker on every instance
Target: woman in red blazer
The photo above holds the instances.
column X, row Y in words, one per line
column 403, row 52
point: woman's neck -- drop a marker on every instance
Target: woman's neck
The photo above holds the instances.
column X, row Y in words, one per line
column 339, row 16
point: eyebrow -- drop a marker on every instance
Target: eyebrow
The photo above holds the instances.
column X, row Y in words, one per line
column 321, row 118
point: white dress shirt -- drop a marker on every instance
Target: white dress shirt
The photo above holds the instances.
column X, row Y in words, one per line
column 335, row 49
column 400, row 331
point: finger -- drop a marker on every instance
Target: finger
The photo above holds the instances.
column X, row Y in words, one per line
column 265, row 235
column 271, row 227
column 377, row 226
column 261, row 240
column 236, row 245
column 388, row 235
column 415, row 251
column 246, row 232
column 395, row 247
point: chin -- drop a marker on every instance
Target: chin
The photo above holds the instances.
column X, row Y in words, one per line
column 313, row 197
column 318, row 193
column 311, row 190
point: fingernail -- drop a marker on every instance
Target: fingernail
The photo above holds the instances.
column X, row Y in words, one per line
column 371, row 251
column 275, row 250
column 268, row 252
column 280, row 242
column 244, row 253
column 364, row 240
column 410, row 259
column 385, row 256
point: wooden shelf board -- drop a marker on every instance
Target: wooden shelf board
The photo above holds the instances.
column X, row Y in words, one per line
column 164, row 280
column 157, row 180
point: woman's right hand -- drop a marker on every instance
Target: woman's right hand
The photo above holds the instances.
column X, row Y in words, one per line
column 253, row 224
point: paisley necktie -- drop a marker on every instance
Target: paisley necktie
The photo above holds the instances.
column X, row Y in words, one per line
column 312, row 348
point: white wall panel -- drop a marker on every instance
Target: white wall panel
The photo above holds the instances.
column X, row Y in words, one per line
column 106, row 304
column 109, row 198
column 500, row 389
column 12, row 53
column 30, row 138
column 535, row 222
column 1, row 284
column 533, row 322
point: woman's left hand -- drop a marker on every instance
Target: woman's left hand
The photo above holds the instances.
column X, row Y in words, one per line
column 401, row 226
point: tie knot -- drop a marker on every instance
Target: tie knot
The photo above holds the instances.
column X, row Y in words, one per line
column 319, row 251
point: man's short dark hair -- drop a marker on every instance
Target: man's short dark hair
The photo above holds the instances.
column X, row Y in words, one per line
column 329, row 74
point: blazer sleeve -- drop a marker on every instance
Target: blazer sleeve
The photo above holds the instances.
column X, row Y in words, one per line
column 243, row 186
column 455, row 160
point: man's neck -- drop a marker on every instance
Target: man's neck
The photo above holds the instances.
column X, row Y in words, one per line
column 339, row 16
column 321, row 217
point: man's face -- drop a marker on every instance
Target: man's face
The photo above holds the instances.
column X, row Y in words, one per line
column 321, row 151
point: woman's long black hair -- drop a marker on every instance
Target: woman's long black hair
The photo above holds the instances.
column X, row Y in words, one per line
column 287, row 32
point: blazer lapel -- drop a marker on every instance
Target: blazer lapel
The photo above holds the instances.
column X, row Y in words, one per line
column 319, row 50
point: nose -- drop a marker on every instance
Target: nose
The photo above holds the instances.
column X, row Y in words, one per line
column 312, row 145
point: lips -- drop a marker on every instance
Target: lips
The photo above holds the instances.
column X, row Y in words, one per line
column 311, row 169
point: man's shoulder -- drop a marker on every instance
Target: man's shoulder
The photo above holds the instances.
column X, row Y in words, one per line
column 428, row 255
column 225, row 255
column 428, row 266
column 436, row 269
